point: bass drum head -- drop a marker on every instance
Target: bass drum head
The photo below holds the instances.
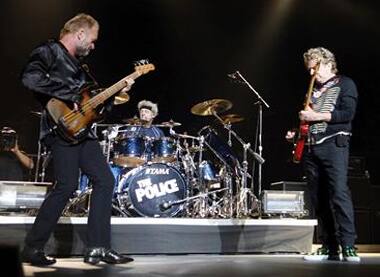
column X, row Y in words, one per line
column 150, row 187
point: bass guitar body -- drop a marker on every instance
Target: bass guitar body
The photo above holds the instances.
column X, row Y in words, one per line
column 299, row 145
column 72, row 125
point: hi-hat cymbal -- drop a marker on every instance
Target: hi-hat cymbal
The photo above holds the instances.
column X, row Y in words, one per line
column 169, row 123
column 231, row 118
column 121, row 98
column 210, row 106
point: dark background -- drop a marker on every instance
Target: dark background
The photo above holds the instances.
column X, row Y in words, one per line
column 194, row 44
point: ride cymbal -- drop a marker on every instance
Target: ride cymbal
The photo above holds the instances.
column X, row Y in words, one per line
column 169, row 123
column 231, row 118
column 210, row 106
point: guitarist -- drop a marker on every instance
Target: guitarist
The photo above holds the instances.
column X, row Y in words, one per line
column 54, row 70
column 325, row 158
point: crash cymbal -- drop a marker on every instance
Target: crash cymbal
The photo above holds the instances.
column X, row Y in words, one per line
column 121, row 98
column 231, row 118
column 169, row 123
column 210, row 106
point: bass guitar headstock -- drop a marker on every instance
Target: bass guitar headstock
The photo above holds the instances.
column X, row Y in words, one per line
column 143, row 66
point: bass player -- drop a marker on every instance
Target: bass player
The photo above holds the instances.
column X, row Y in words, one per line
column 54, row 71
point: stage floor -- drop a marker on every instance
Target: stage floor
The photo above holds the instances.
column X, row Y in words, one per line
column 173, row 235
column 212, row 265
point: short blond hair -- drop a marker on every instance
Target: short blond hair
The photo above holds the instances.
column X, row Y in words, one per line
column 79, row 21
column 324, row 55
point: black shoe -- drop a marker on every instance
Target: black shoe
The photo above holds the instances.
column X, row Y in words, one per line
column 112, row 257
column 36, row 257
column 93, row 255
column 96, row 254
column 334, row 255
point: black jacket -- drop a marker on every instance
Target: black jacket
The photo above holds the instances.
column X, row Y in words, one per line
column 51, row 72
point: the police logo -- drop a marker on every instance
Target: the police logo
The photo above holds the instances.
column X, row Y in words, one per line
column 150, row 191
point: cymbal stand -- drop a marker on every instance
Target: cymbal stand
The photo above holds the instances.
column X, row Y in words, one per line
column 244, row 193
column 43, row 158
column 36, row 174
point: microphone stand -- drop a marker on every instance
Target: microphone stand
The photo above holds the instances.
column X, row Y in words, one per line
column 260, row 103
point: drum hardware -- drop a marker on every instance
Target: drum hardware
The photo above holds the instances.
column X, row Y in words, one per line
column 79, row 204
column 195, row 173
column 165, row 205
column 43, row 155
column 245, row 193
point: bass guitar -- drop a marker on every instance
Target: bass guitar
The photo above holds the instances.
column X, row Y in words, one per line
column 303, row 130
column 73, row 125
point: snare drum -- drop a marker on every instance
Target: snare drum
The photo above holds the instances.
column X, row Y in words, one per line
column 164, row 150
column 149, row 189
column 129, row 151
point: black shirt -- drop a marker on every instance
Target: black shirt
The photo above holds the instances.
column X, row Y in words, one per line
column 11, row 168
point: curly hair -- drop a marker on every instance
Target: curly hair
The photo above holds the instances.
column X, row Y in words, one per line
column 324, row 55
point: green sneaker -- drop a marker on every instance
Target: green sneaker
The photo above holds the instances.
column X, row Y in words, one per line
column 323, row 253
column 349, row 254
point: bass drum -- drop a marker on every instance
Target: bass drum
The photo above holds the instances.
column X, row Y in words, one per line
column 147, row 191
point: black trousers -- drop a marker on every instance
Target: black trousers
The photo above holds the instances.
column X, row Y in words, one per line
column 67, row 160
column 326, row 168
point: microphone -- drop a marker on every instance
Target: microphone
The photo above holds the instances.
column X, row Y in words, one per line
column 165, row 206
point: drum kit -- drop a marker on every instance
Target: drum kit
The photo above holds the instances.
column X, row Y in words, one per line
column 179, row 175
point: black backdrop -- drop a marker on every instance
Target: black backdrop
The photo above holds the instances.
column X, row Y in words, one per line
column 194, row 44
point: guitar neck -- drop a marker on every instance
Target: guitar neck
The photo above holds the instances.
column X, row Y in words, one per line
column 107, row 93
column 311, row 86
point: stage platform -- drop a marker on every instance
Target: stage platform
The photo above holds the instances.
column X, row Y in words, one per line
column 173, row 235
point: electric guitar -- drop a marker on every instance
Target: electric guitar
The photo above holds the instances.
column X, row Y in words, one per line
column 74, row 125
column 303, row 130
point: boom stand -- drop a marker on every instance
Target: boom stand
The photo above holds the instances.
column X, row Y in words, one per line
column 260, row 102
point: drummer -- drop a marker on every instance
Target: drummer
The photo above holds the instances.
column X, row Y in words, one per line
column 147, row 112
